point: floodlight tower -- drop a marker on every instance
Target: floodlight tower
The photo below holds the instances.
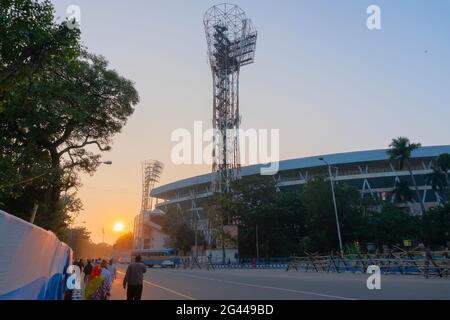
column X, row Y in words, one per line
column 151, row 172
column 231, row 39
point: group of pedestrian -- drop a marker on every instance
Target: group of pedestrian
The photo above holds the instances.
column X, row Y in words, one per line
column 98, row 275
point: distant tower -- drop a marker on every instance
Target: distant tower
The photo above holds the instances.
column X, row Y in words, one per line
column 231, row 41
column 151, row 172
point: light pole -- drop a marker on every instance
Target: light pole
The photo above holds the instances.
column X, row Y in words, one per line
column 335, row 205
column 257, row 244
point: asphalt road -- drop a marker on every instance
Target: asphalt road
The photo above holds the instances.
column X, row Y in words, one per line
column 180, row 284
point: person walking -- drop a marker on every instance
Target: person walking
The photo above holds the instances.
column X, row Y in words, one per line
column 134, row 279
column 112, row 269
column 87, row 270
column 108, row 277
column 97, row 286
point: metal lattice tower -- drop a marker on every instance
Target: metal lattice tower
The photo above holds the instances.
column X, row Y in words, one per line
column 151, row 172
column 231, row 39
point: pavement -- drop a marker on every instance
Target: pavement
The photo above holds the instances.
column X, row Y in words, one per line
column 182, row 284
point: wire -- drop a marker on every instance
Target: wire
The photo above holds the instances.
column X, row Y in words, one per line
column 25, row 181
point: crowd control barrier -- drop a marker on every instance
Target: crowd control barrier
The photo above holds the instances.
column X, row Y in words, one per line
column 32, row 261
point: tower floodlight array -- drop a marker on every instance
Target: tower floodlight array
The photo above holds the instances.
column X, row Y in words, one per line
column 151, row 172
column 231, row 39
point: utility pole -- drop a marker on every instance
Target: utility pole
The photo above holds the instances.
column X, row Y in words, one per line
column 103, row 233
column 335, row 205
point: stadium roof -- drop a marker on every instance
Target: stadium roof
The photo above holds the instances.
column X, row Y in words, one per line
column 309, row 162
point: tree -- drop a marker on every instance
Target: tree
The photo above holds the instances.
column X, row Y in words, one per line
column 56, row 104
column 180, row 232
column 259, row 211
column 79, row 239
column 220, row 210
column 402, row 192
column 436, row 226
column 400, row 154
column 321, row 229
column 124, row 243
column 393, row 225
column 443, row 163
column 30, row 39
column 439, row 179
column 438, row 182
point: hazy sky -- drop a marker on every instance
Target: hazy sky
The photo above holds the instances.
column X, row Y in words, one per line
column 320, row 76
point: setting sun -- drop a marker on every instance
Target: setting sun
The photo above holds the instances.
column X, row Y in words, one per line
column 119, row 227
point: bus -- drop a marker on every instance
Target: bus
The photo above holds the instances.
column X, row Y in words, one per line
column 158, row 257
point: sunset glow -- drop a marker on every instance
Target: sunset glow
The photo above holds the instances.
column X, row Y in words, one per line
column 119, row 227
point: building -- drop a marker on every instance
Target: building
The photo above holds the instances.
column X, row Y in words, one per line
column 369, row 171
column 148, row 233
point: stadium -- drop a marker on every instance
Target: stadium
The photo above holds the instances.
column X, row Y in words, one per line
column 370, row 172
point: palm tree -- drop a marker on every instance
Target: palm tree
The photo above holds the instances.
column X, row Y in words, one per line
column 402, row 192
column 443, row 163
column 400, row 154
column 438, row 182
column 439, row 179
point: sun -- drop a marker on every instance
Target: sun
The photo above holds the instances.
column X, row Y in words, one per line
column 119, row 227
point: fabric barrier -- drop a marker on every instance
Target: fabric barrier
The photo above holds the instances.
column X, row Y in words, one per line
column 32, row 261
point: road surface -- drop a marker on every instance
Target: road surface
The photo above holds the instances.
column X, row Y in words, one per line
column 180, row 284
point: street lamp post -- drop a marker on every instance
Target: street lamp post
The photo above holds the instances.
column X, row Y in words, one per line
column 335, row 205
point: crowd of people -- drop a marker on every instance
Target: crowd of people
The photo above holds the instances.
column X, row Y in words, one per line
column 98, row 276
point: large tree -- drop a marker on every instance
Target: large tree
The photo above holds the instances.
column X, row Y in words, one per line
column 31, row 39
column 181, row 234
column 59, row 112
column 321, row 228
column 124, row 243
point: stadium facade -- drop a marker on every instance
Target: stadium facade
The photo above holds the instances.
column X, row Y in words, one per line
column 371, row 172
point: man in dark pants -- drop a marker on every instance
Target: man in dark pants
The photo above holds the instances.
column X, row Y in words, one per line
column 134, row 279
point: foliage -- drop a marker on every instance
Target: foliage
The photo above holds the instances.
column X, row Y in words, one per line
column 402, row 192
column 393, row 225
column 295, row 222
column 30, row 41
column 80, row 241
column 436, row 226
column 439, row 178
column 180, row 232
column 400, row 153
column 124, row 243
column 56, row 103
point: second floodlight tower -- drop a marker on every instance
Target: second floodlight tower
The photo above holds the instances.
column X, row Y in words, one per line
column 231, row 39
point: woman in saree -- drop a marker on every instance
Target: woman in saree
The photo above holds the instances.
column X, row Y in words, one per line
column 97, row 287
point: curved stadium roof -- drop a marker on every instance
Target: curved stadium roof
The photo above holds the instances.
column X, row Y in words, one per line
column 303, row 163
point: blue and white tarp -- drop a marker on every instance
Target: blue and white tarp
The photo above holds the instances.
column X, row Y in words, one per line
column 32, row 261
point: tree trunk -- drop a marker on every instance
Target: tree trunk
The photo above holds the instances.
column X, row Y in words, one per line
column 55, row 190
column 422, row 205
column 33, row 213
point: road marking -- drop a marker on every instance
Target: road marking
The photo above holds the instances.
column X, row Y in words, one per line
column 267, row 287
column 164, row 288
